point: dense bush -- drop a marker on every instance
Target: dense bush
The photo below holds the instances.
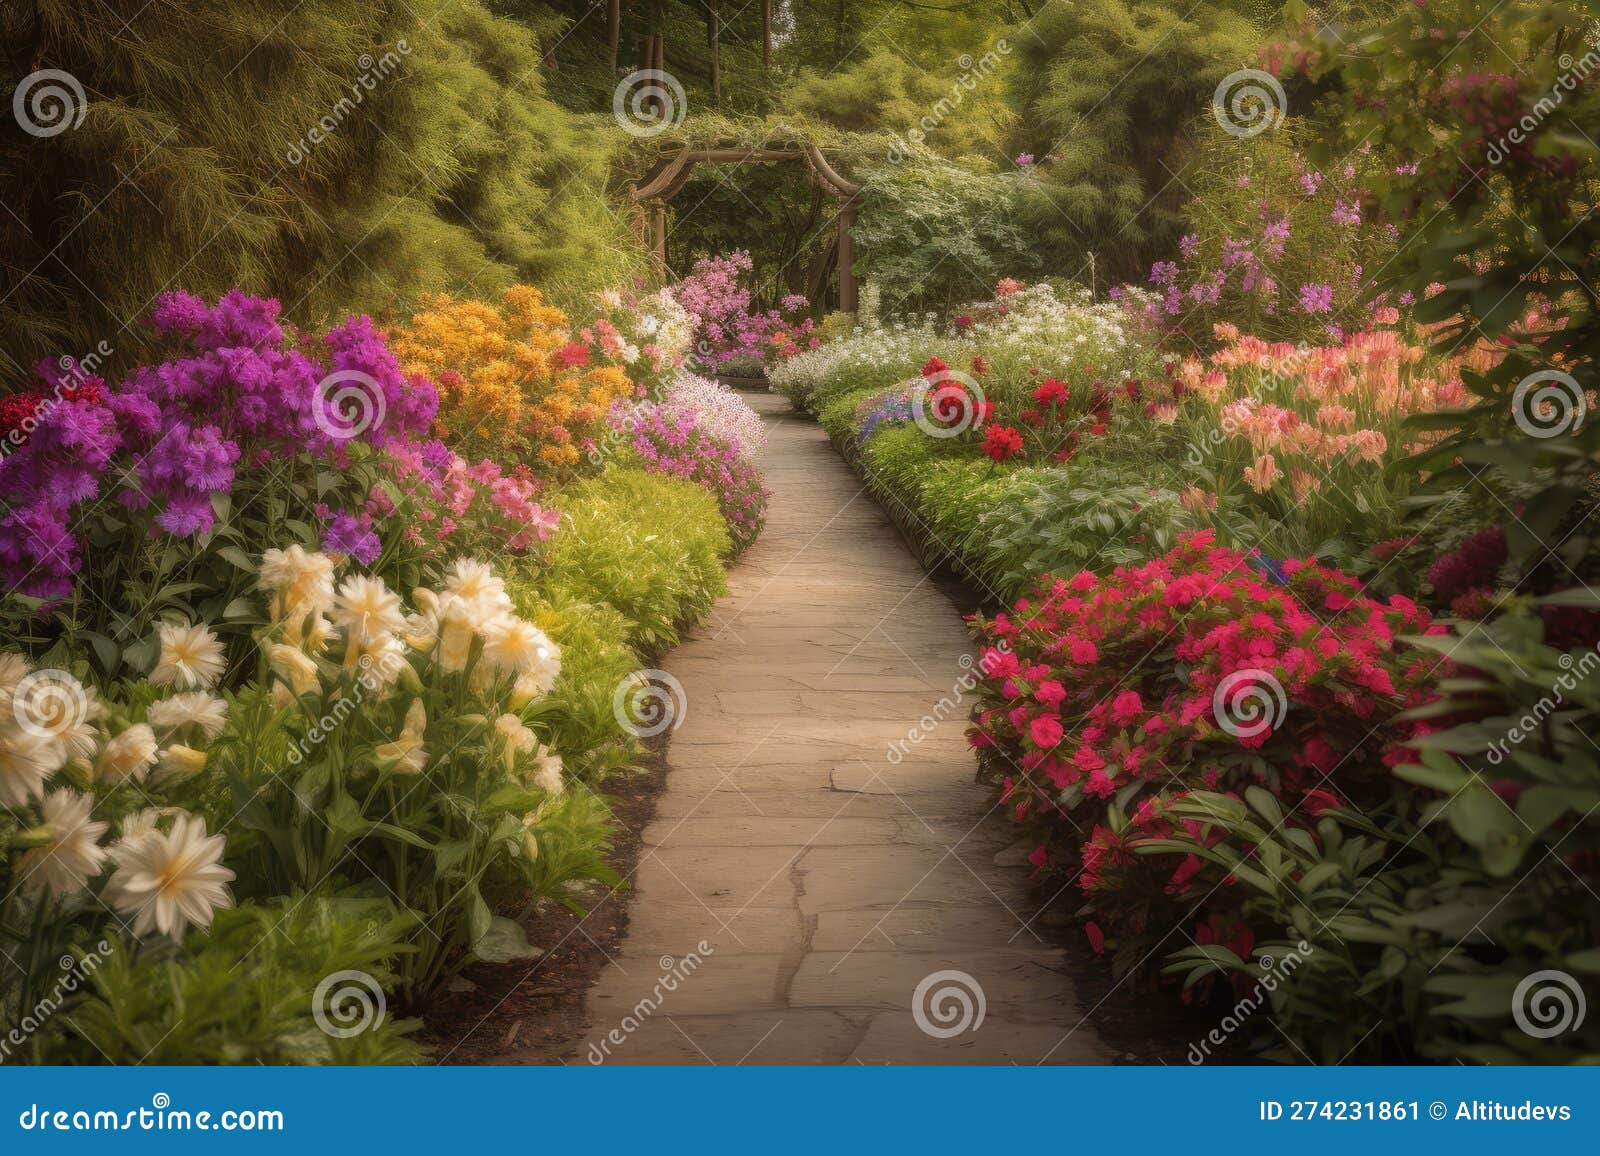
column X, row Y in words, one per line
column 341, row 156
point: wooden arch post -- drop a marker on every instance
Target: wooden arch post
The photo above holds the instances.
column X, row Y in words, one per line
column 668, row 178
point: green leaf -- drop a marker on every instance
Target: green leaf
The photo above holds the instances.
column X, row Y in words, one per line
column 504, row 942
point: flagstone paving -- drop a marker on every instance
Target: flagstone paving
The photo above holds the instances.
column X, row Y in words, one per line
column 796, row 886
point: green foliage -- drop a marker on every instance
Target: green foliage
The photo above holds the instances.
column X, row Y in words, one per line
column 1109, row 93
column 241, row 993
column 648, row 545
column 442, row 162
column 933, row 233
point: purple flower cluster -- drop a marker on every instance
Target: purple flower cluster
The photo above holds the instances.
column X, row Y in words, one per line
column 172, row 436
column 671, row 441
column 892, row 407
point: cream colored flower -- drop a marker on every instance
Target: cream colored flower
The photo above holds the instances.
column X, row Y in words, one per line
column 194, row 708
column 513, row 646
column 73, row 855
column 13, row 668
column 407, row 754
column 475, row 584
column 294, row 667
column 128, row 756
column 302, row 581
column 367, row 610
column 547, row 771
column 136, row 825
column 458, row 625
column 27, row 759
column 179, row 762
column 536, row 683
column 518, row 740
column 191, row 657
column 57, row 705
column 171, row 881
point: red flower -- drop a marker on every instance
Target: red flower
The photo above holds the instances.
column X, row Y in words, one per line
column 1097, row 938
column 979, row 365
column 571, row 355
column 1051, row 391
column 933, row 367
column 1001, row 442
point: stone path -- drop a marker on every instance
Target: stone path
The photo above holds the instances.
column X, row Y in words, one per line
column 797, row 886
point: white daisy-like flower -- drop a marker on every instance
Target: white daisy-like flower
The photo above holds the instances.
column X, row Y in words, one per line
column 477, row 586
column 367, row 610
column 73, row 855
column 54, row 703
column 514, row 646
column 128, row 756
column 301, row 579
column 170, row 882
column 194, row 708
column 27, row 759
column 191, row 657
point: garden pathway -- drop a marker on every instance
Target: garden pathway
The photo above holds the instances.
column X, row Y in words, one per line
column 796, row 886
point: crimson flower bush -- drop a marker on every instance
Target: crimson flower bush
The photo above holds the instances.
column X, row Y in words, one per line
column 1107, row 699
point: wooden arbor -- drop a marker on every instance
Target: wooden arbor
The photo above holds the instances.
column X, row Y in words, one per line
column 668, row 178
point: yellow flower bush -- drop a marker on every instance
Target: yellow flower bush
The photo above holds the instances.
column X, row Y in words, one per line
column 513, row 382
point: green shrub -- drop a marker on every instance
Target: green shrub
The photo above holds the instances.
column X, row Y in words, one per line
column 648, row 545
column 241, row 993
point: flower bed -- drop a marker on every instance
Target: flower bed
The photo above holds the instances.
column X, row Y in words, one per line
column 223, row 764
column 1217, row 694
